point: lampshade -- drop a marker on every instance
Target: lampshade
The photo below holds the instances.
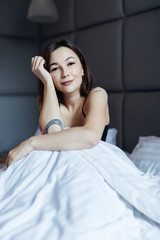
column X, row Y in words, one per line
column 42, row 11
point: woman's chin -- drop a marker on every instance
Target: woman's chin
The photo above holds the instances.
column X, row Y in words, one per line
column 69, row 89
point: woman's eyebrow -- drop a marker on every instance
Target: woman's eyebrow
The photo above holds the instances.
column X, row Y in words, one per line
column 69, row 58
column 54, row 63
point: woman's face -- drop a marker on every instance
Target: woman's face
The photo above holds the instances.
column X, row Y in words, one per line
column 66, row 70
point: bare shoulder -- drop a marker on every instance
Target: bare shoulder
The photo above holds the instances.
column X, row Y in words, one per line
column 98, row 93
column 96, row 107
column 97, row 99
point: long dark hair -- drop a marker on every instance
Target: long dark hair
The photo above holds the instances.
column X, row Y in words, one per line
column 87, row 80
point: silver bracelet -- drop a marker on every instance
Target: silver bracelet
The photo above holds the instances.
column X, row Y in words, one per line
column 54, row 121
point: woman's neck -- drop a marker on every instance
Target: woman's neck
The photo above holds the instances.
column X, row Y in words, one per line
column 72, row 102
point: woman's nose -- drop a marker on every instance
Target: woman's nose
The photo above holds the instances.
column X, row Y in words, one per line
column 65, row 73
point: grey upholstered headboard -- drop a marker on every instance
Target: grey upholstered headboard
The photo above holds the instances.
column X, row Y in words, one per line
column 121, row 41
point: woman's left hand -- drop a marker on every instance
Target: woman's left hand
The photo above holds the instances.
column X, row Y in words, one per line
column 19, row 152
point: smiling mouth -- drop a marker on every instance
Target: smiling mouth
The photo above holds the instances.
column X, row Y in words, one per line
column 67, row 83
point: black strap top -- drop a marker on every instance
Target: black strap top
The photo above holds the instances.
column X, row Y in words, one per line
column 104, row 135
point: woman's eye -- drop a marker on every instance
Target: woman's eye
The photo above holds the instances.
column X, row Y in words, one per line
column 54, row 69
column 71, row 63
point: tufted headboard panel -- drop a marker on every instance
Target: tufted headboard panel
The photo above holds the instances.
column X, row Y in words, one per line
column 120, row 39
column 19, row 41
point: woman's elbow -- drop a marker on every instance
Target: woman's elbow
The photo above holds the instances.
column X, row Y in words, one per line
column 51, row 129
column 94, row 139
column 54, row 129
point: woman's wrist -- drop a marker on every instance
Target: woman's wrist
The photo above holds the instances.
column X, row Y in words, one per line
column 31, row 143
column 48, row 82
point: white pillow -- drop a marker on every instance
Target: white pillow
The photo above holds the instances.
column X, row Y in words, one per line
column 146, row 154
column 112, row 136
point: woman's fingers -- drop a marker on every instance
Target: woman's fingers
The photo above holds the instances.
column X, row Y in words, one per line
column 37, row 62
column 9, row 158
column 19, row 152
column 37, row 65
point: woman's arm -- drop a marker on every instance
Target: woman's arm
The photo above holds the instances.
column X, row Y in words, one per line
column 86, row 136
column 50, row 107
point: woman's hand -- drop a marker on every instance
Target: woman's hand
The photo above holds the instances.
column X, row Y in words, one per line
column 19, row 152
column 37, row 65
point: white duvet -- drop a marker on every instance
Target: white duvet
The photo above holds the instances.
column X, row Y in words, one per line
column 93, row 194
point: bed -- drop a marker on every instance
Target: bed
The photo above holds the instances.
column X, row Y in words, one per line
column 124, row 36
column 89, row 194
column 145, row 155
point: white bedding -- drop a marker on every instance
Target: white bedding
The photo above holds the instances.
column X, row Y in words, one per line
column 93, row 194
column 146, row 154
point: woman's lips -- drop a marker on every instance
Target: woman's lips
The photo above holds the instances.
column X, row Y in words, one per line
column 67, row 83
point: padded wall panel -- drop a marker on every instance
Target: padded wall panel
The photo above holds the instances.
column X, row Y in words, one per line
column 102, row 47
column 15, row 64
column 92, row 12
column 136, row 6
column 115, row 102
column 69, row 37
column 65, row 22
column 141, row 117
column 13, row 19
column 18, row 121
column 142, row 51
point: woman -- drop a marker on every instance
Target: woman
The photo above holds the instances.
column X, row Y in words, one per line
column 77, row 106
column 67, row 183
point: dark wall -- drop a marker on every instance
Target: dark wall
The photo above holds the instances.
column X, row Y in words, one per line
column 19, row 41
column 120, row 40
